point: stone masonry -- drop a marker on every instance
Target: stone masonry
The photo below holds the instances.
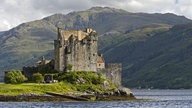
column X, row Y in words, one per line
column 78, row 49
column 114, row 73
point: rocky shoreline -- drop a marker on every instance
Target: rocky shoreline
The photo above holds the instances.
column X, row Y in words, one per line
column 115, row 95
column 32, row 98
column 22, row 98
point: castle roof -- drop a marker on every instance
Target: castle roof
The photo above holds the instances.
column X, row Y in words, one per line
column 100, row 59
column 43, row 61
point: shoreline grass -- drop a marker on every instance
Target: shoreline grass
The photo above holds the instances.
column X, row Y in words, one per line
column 18, row 89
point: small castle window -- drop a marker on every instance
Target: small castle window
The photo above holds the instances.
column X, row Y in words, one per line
column 89, row 58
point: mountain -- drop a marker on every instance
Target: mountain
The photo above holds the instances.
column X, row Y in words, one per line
column 122, row 37
column 1, row 32
column 161, row 61
column 24, row 44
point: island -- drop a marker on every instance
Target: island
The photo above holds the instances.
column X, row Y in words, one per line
column 77, row 73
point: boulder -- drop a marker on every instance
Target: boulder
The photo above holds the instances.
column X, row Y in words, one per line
column 106, row 84
column 125, row 92
column 116, row 92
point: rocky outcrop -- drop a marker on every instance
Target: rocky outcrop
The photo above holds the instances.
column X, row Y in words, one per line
column 118, row 92
column 125, row 92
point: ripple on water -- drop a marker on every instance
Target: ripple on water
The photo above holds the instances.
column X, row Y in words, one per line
column 162, row 99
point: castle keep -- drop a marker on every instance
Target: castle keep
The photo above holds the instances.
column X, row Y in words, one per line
column 77, row 50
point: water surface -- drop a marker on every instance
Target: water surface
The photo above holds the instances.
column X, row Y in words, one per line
column 160, row 99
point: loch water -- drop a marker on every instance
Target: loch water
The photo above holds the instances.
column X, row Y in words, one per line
column 158, row 99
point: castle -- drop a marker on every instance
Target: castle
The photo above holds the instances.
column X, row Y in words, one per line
column 77, row 50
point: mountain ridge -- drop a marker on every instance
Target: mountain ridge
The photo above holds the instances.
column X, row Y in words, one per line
column 25, row 44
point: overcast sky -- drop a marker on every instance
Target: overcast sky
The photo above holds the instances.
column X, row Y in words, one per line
column 15, row 12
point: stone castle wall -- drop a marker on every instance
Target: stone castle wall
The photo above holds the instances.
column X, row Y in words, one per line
column 79, row 49
column 114, row 73
column 83, row 54
column 76, row 48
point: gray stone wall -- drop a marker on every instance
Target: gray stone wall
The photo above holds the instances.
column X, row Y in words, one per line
column 79, row 49
column 59, row 66
column 114, row 73
column 80, row 53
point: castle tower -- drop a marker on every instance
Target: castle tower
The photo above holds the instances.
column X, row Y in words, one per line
column 76, row 48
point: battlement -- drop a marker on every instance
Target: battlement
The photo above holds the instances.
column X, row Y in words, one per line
column 79, row 34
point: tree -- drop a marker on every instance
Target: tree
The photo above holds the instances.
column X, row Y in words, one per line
column 37, row 77
column 14, row 77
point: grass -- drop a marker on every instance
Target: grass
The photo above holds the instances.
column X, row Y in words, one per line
column 69, row 83
column 17, row 89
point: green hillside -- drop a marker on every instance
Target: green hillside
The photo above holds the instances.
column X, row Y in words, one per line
column 162, row 61
column 129, row 38
column 23, row 45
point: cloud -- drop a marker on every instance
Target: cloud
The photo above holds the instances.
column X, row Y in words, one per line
column 15, row 12
column 53, row 6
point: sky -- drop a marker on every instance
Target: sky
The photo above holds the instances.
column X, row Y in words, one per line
column 15, row 12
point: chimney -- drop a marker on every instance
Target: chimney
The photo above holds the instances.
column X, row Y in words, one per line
column 89, row 30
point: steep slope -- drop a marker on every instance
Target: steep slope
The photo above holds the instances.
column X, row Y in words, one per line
column 1, row 33
column 23, row 45
column 162, row 61
column 26, row 43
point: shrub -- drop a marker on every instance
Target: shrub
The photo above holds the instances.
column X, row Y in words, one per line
column 89, row 77
column 70, row 77
column 37, row 77
column 14, row 77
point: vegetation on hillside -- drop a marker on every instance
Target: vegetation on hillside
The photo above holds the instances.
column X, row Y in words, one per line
column 142, row 42
column 162, row 61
